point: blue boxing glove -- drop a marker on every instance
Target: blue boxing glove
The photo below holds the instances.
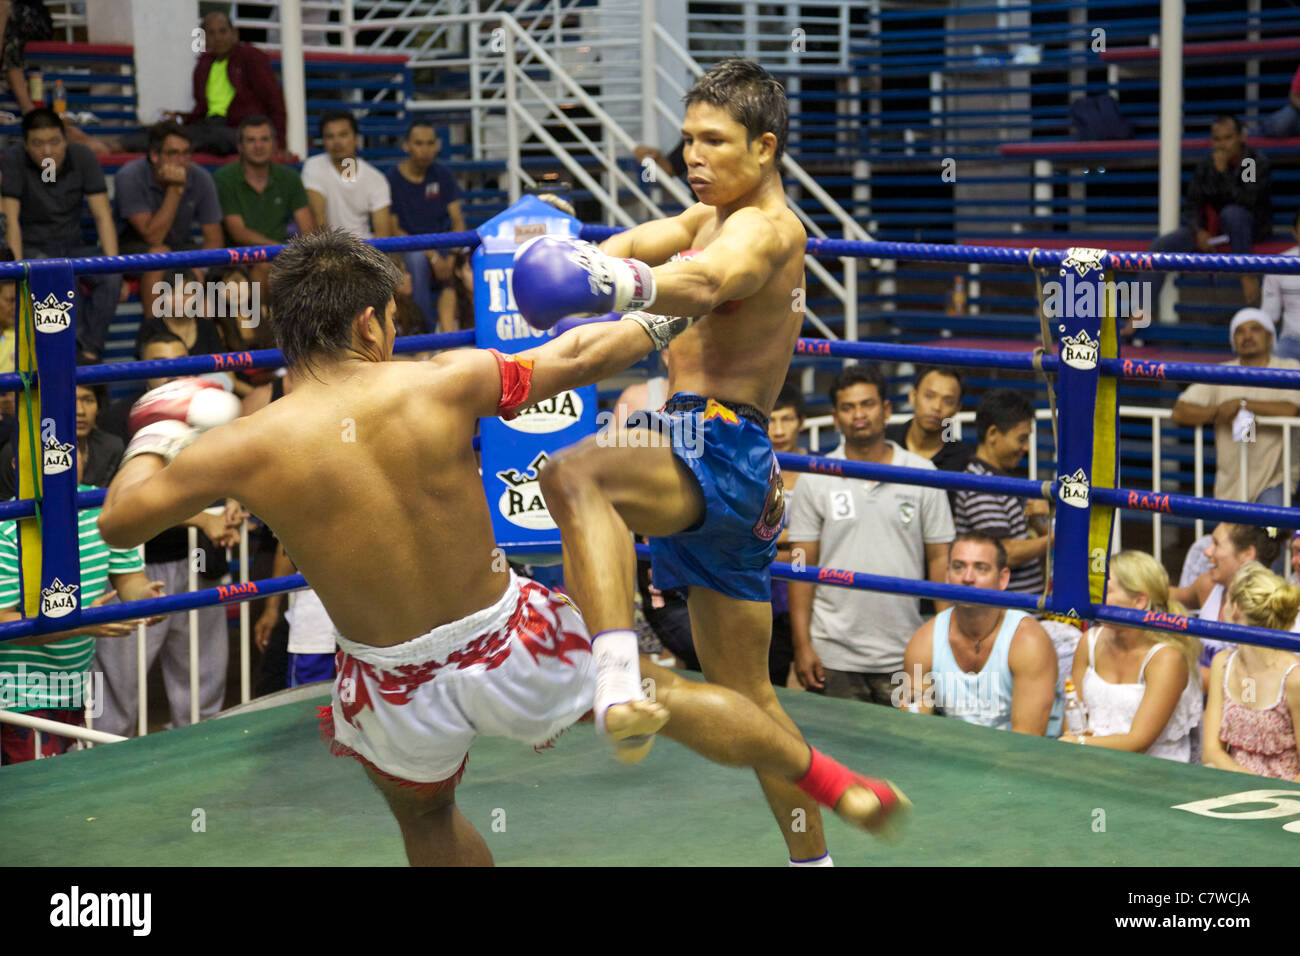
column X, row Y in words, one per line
column 555, row 277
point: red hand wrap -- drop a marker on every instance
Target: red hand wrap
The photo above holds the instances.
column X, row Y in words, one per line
column 827, row 779
column 516, row 381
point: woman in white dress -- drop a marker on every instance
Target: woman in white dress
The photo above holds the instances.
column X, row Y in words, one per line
column 1141, row 689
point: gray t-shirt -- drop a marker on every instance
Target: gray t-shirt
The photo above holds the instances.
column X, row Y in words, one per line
column 876, row 528
column 138, row 190
column 50, row 204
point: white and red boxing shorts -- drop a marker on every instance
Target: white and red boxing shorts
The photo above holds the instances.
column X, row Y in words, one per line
column 520, row 669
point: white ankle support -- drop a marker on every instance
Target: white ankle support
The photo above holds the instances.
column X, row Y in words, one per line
column 618, row 671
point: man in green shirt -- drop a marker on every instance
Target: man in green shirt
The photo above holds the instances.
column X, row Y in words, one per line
column 50, row 675
column 259, row 197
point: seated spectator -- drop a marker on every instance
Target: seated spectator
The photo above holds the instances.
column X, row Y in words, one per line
column 231, row 80
column 57, row 667
column 457, row 311
column 847, row 642
column 1254, row 703
column 1232, row 410
column 985, row 665
column 160, row 345
column 935, row 398
column 180, row 307
column 426, row 198
column 1002, row 426
column 1280, row 299
column 783, row 428
column 160, row 198
column 1293, row 562
column 1286, row 121
column 1231, row 547
column 98, row 451
column 1138, row 698
column 261, row 200
column 344, row 191
column 1221, row 201
column 43, row 181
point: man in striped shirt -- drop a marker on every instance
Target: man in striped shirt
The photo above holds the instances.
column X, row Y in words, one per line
column 1002, row 424
column 49, row 675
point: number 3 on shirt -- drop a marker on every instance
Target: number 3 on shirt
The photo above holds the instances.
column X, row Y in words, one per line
column 841, row 505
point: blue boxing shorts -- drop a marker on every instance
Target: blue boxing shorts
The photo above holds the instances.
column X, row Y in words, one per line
column 725, row 446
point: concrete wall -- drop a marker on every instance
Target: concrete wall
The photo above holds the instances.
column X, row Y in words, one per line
column 162, row 32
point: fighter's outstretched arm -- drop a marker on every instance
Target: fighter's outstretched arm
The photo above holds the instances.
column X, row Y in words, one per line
column 658, row 240
column 579, row 357
column 735, row 265
column 147, row 497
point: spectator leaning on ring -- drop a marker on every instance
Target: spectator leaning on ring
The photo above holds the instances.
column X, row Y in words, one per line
column 44, row 180
column 1232, row 410
column 1139, row 696
column 344, row 191
column 985, row 665
column 50, row 676
column 931, row 432
column 98, row 452
column 1253, row 708
column 160, row 198
column 847, row 642
column 1280, row 299
column 426, row 198
column 1002, row 426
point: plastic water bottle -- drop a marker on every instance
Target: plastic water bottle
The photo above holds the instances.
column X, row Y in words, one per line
column 957, row 299
column 36, row 87
column 60, row 98
column 1076, row 718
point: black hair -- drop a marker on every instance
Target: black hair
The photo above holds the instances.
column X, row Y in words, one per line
column 159, row 132
column 861, row 374
column 749, row 93
column 791, row 397
column 979, row 537
column 923, row 370
column 1003, row 409
column 319, row 284
column 419, row 122
column 41, row 118
column 255, row 119
column 1227, row 118
column 164, row 336
column 337, row 116
column 1267, row 546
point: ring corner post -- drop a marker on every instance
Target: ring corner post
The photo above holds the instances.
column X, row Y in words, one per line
column 53, row 463
column 1082, row 297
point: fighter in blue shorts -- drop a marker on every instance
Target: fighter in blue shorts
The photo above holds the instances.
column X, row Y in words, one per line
column 705, row 487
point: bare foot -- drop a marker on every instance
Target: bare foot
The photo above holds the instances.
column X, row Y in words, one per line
column 632, row 726
column 860, row 807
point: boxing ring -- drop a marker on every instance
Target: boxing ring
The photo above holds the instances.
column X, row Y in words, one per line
column 275, row 795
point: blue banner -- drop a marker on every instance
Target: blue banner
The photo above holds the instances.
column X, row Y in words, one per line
column 514, row 451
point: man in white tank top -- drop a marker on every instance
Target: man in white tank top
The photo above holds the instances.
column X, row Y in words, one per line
column 985, row 665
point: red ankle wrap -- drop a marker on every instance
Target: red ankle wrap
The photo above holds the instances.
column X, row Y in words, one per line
column 827, row 779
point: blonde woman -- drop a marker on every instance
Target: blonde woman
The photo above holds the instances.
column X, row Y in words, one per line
column 1254, row 705
column 1142, row 688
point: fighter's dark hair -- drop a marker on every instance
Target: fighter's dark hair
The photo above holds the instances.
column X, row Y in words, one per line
column 749, row 93
column 320, row 283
